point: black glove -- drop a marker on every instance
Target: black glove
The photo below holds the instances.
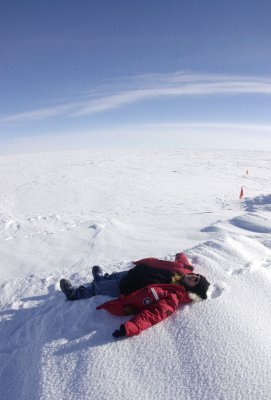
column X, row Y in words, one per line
column 121, row 332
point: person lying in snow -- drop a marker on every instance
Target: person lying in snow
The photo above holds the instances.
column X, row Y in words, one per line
column 152, row 290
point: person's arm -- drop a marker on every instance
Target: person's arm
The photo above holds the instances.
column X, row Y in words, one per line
column 145, row 261
column 149, row 316
column 182, row 259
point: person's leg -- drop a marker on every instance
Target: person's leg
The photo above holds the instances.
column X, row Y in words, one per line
column 108, row 285
column 114, row 276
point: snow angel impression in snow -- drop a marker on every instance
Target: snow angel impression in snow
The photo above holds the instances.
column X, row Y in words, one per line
column 150, row 291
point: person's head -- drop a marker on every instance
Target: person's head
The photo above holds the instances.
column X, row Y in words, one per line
column 196, row 283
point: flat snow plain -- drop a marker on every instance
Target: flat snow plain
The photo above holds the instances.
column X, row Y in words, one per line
column 61, row 213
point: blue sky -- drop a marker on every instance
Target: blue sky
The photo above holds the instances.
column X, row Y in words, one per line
column 123, row 73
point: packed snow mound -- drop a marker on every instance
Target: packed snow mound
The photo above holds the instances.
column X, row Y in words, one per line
column 253, row 223
column 249, row 222
column 255, row 220
column 262, row 202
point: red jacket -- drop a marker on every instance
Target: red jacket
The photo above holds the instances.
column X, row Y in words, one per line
column 181, row 264
column 153, row 303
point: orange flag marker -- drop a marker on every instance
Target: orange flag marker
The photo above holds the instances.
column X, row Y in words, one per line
column 241, row 193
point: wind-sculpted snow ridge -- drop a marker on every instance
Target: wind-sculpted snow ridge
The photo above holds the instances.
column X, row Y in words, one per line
column 262, row 202
column 216, row 349
column 254, row 221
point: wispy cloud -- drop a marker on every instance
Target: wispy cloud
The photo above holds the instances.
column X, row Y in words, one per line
column 149, row 87
column 35, row 114
column 173, row 85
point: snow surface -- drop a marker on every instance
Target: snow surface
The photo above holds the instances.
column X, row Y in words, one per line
column 61, row 213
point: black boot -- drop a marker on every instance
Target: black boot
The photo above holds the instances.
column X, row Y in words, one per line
column 68, row 289
column 97, row 272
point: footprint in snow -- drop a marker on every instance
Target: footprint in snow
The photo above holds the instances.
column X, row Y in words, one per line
column 96, row 229
column 247, row 267
column 267, row 264
column 216, row 290
column 12, row 226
